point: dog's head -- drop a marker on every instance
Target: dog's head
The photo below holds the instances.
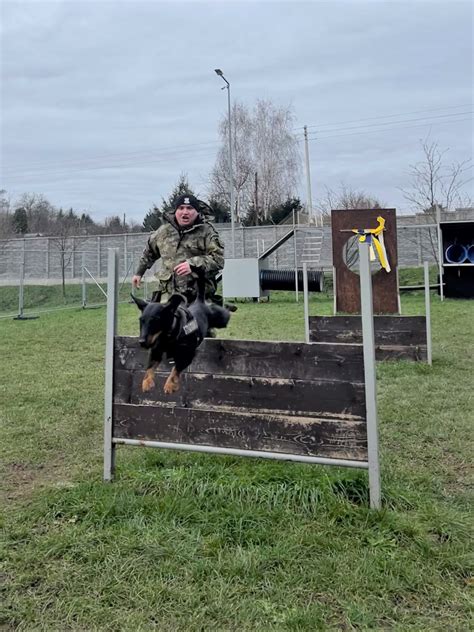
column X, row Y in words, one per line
column 156, row 318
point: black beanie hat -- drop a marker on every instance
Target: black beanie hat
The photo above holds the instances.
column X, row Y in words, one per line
column 191, row 200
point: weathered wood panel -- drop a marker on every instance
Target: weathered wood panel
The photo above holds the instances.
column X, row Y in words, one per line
column 292, row 360
column 347, row 282
column 201, row 390
column 345, row 439
column 388, row 330
column 401, row 337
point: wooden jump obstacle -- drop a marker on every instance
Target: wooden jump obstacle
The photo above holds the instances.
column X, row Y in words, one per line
column 307, row 402
column 396, row 337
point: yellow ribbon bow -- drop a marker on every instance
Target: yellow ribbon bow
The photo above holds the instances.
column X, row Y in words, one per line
column 375, row 238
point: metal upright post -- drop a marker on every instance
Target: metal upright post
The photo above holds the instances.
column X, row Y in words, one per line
column 231, row 173
column 369, row 374
column 429, row 352
column 112, row 284
column 440, row 251
column 83, row 274
column 399, row 300
column 295, row 257
column 334, row 303
column 306, row 302
column 21, row 293
column 308, row 179
column 219, row 72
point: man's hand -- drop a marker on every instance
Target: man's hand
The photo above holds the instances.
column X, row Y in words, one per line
column 136, row 280
column 183, row 268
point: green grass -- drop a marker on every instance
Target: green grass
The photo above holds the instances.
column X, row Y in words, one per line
column 192, row 542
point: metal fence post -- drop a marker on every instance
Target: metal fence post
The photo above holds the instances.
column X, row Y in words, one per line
column 21, row 295
column 295, row 257
column 429, row 352
column 21, row 292
column 83, row 273
column 112, row 284
column 440, row 251
column 306, row 302
column 99, row 268
column 369, row 374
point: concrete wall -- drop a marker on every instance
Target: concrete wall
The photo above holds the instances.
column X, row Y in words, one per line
column 42, row 259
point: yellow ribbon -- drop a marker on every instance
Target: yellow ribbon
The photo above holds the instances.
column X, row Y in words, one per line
column 375, row 236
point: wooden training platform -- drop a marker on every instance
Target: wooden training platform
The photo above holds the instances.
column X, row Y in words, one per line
column 396, row 337
column 306, row 400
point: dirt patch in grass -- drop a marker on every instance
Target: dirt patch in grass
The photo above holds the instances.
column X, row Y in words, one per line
column 21, row 481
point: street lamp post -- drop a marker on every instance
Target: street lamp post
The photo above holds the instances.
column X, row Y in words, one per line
column 219, row 72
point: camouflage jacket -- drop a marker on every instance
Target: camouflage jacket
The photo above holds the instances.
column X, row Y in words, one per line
column 199, row 245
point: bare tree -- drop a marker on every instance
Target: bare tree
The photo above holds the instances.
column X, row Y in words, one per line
column 6, row 227
column 433, row 184
column 39, row 211
column 242, row 161
column 265, row 150
column 346, row 198
column 66, row 226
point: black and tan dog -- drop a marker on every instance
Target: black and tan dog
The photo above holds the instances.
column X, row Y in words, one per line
column 175, row 330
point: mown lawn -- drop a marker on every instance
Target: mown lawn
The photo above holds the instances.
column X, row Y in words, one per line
column 193, row 542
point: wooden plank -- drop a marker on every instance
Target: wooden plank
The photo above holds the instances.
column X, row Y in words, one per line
column 292, row 360
column 416, row 353
column 346, row 439
column 291, row 397
column 389, row 330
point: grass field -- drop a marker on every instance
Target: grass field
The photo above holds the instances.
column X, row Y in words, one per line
column 192, row 542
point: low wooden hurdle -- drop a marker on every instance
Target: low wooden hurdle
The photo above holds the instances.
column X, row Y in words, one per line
column 396, row 337
column 307, row 402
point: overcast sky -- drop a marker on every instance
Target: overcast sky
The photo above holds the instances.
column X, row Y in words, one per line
column 104, row 104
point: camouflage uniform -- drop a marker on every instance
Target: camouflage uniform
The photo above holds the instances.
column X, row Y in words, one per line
column 172, row 244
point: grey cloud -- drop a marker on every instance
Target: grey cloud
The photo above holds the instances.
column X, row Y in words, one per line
column 90, row 82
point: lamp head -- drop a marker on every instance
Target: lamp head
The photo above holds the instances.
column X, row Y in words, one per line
column 219, row 72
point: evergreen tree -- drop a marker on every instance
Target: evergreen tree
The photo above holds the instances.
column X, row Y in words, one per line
column 279, row 212
column 20, row 221
column 154, row 217
column 220, row 212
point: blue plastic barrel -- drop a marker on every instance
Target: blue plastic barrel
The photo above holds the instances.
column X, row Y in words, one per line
column 456, row 253
column 470, row 253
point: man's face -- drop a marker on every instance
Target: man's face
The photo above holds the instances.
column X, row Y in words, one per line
column 185, row 215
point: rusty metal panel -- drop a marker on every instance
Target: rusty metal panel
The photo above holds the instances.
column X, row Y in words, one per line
column 385, row 294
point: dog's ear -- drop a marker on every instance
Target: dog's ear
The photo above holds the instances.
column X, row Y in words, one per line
column 175, row 301
column 139, row 303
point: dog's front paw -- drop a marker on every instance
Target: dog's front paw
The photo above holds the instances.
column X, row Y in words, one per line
column 172, row 383
column 148, row 382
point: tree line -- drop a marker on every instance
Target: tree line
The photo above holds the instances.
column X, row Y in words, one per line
column 33, row 214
